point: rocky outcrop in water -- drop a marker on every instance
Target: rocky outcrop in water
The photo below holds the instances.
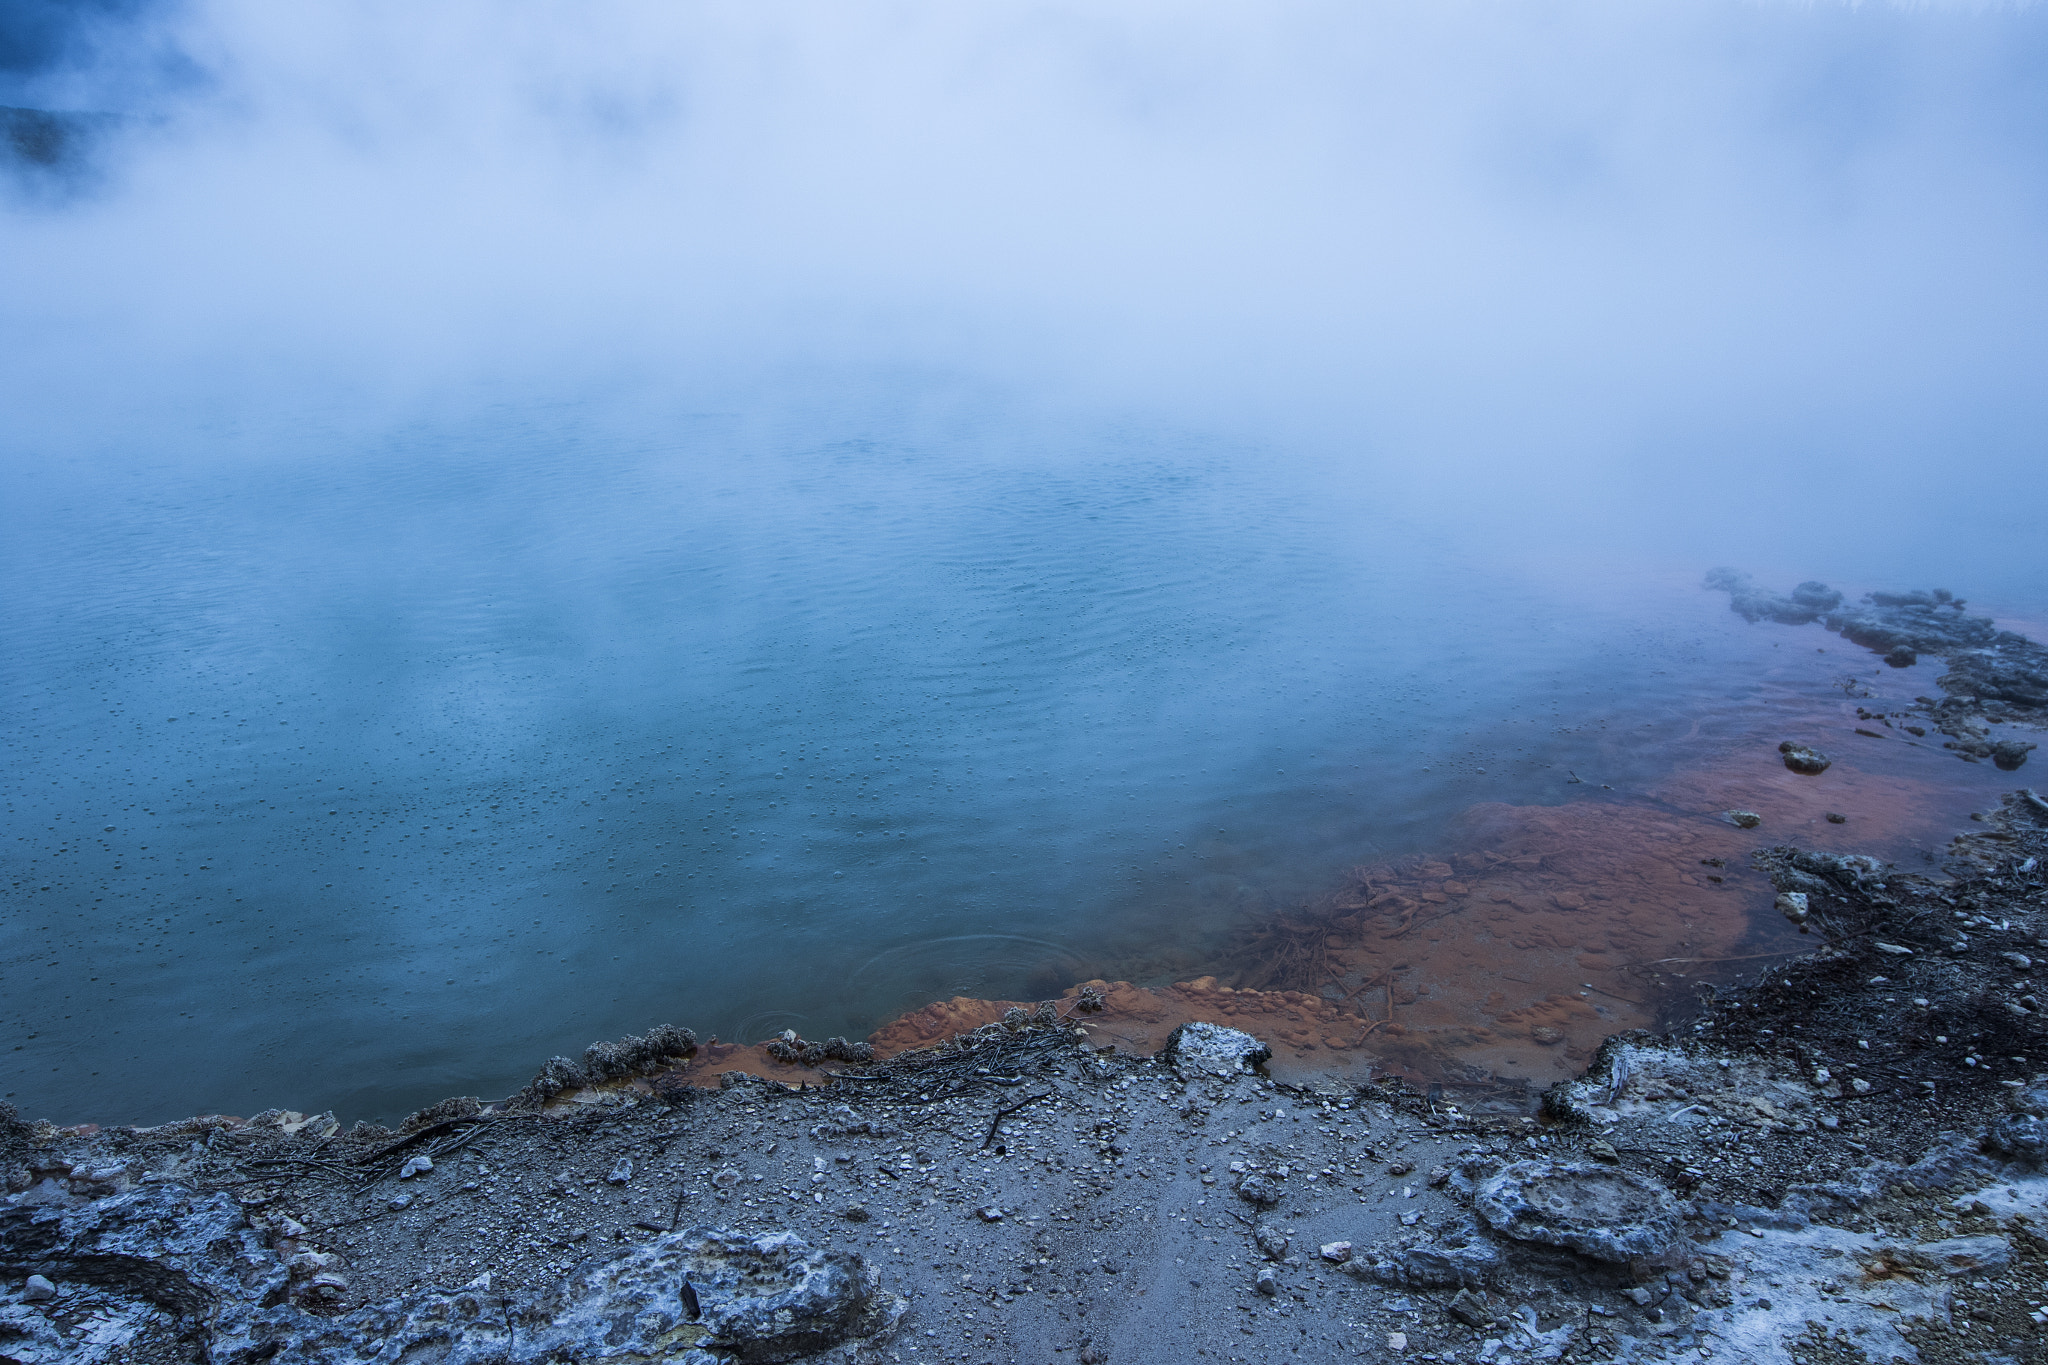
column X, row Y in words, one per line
column 1800, row 759
column 1992, row 674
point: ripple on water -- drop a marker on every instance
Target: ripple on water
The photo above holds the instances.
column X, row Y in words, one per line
column 426, row 758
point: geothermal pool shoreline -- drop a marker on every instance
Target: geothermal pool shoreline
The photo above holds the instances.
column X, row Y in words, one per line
column 1022, row 1191
column 1839, row 1158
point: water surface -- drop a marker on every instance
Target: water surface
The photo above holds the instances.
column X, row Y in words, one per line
column 353, row 773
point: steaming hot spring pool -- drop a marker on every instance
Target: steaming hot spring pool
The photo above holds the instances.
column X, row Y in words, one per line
column 357, row 775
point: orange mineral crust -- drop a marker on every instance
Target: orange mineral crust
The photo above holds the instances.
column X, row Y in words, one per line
column 1496, row 970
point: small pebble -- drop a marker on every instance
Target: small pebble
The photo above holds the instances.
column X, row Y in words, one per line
column 38, row 1290
column 418, row 1165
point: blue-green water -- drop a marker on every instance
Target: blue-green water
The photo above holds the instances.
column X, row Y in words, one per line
column 353, row 773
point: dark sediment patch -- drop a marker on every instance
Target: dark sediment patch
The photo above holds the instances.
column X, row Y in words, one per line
column 1928, row 989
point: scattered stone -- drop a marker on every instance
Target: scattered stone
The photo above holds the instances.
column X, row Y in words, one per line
column 1460, row 1256
column 1338, row 1252
column 1474, row 1310
column 1214, row 1050
column 1268, row 1283
column 1259, row 1190
column 1793, row 906
column 1801, row 759
column 304, row 1265
column 2022, row 1134
column 1603, row 1151
column 1893, row 949
column 1955, row 1256
column 989, row 1213
column 2019, row 962
column 1901, row 657
column 856, row 1213
column 2009, row 754
column 1742, row 819
column 1597, row 1211
column 399, row 1203
column 38, row 1289
column 325, row 1288
column 621, row 1172
column 1272, row 1245
column 1836, row 817
column 1546, row 1035
column 418, row 1165
column 841, row 1121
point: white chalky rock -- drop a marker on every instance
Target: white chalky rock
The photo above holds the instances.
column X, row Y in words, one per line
column 708, row 1296
column 1214, row 1049
column 1598, row 1211
column 418, row 1165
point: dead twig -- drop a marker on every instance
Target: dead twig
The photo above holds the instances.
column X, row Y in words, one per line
column 675, row 1214
column 473, row 1121
column 1005, row 1112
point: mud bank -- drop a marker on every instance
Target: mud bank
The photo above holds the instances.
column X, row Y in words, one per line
column 1839, row 1161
